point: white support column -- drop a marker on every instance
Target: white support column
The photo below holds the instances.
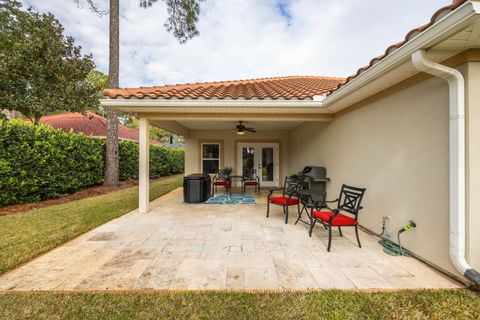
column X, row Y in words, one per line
column 143, row 166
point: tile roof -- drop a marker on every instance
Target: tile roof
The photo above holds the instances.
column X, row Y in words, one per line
column 294, row 87
column 90, row 124
column 440, row 13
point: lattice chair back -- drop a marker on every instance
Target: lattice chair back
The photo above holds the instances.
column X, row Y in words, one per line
column 292, row 186
column 221, row 175
column 350, row 199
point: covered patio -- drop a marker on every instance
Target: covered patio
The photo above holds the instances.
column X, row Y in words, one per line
column 181, row 246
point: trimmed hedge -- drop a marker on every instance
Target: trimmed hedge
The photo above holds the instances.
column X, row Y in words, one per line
column 39, row 162
column 163, row 161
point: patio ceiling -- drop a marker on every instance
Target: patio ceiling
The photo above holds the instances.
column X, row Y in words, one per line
column 183, row 127
column 222, row 125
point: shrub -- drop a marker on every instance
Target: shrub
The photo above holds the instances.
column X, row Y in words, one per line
column 39, row 162
column 163, row 161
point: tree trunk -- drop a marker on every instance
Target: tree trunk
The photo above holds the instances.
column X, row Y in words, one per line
column 36, row 119
column 111, row 161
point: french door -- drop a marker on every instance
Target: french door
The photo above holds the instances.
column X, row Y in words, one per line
column 260, row 156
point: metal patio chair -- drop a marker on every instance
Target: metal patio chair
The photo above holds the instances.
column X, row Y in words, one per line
column 220, row 179
column 345, row 215
column 290, row 196
column 250, row 178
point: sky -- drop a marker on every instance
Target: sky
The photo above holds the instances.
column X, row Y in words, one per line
column 244, row 39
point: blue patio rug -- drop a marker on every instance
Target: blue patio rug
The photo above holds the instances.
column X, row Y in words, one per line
column 235, row 198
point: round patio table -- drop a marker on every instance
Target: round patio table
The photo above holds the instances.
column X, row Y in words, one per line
column 308, row 199
column 232, row 180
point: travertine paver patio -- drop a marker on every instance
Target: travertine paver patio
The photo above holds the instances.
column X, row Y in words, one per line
column 179, row 246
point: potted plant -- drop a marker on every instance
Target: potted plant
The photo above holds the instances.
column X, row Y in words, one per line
column 228, row 171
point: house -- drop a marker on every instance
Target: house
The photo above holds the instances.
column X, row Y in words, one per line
column 90, row 124
column 405, row 126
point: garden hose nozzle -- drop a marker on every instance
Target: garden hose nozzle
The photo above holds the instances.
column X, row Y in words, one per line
column 396, row 249
column 411, row 224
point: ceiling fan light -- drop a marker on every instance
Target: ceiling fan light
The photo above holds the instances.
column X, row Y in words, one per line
column 240, row 132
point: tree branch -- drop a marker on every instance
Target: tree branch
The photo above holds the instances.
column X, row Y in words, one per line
column 93, row 5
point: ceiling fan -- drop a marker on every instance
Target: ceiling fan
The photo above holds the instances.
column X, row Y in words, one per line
column 241, row 129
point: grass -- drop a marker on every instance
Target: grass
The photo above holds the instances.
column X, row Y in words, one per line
column 24, row 236
column 328, row 304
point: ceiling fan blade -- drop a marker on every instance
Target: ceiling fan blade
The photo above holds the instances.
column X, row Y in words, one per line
column 250, row 129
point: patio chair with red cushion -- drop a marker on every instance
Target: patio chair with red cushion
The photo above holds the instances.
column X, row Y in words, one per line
column 220, row 179
column 345, row 215
column 250, row 178
column 290, row 196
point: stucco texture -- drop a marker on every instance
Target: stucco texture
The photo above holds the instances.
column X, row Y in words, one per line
column 228, row 138
column 396, row 147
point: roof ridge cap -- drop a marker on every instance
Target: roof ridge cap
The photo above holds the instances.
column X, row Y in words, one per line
column 231, row 81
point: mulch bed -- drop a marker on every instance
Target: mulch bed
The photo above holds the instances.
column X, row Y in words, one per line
column 90, row 192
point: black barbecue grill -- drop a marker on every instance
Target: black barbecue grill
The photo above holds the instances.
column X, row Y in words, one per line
column 313, row 195
column 315, row 178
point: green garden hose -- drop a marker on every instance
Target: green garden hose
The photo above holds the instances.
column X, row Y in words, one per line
column 395, row 249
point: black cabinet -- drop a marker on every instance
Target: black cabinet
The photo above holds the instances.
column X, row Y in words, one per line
column 196, row 188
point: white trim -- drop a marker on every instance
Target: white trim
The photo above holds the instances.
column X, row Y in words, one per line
column 448, row 25
column 219, row 159
column 456, row 84
column 211, row 103
column 143, row 166
column 257, row 146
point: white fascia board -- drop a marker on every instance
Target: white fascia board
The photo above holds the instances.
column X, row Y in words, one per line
column 210, row 103
column 448, row 25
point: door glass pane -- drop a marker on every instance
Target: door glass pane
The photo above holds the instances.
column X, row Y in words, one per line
column 267, row 164
column 248, row 158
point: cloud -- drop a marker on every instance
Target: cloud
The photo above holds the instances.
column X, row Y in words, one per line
column 241, row 39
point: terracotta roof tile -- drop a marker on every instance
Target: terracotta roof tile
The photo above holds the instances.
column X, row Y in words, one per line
column 294, row 87
column 90, row 124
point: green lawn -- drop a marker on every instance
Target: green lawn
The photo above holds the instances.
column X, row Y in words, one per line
column 329, row 304
column 24, row 236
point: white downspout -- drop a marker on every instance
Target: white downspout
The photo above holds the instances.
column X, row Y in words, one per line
column 456, row 84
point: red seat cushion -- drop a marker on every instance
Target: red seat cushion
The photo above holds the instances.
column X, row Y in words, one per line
column 221, row 183
column 339, row 220
column 283, row 200
column 251, row 183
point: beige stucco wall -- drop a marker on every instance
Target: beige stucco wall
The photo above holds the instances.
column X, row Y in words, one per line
column 228, row 137
column 397, row 148
column 472, row 75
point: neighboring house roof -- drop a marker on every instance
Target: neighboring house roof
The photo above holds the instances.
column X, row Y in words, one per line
column 294, row 87
column 90, row 124
column 440, row 13
column 277, row 88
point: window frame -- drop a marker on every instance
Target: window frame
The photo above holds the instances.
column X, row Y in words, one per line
column 220, row 153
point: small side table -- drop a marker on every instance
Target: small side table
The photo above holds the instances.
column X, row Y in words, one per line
column 308, row 203
column 232, row 180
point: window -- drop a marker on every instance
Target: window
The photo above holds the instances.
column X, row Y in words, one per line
column 210, row 157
